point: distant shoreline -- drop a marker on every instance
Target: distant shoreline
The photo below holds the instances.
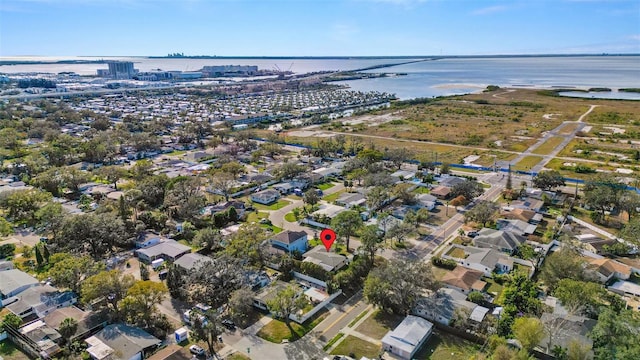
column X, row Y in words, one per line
column 106, row 59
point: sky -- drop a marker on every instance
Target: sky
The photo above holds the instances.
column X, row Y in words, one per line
column 317, row 27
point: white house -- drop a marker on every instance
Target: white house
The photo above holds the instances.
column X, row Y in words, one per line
column 606, row 269
column 121, row 342
column 406, row 339
column 265, row 197
column 13, row 282
column 40, row 301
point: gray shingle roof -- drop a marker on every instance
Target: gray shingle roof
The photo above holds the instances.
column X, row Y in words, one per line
column 14, row 279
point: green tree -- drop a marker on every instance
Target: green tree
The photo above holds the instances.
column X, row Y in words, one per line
column 223, row 182
column 615, row 335
column 241, row 305
column 98, row 234
column 346, row 224
column 398, row 156
column 139, row 304
column 6, row 228
column 112, row 174
column 70, row 271
column 22, row 205
column 207, row 330
column 575, row 294
column 370, row 242
column 397, row 285
column 208, row 238
column 39, row 259
column 602, row 193
column 144, row 271
column 403, row 192
column 110, row 286
column 376, row 198
column 483, row 212
column 287, row 302
column 631, row 230
column 248, row 244
column 67, row 329
column 564, row 263
column 12, row 320
column 529, row 331
column 469, row 189
column 547, row 180
column 311, row 197
column 185, row 199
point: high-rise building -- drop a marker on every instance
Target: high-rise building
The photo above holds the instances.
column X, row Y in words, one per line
column 121, row 69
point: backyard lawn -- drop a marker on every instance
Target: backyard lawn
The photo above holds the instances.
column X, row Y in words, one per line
column 10, row 352
column 456, row 252
column 378, row 324
column 357, row 347
column 443, row 346
column 276, row 330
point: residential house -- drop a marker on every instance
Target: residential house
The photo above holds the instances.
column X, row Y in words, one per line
column 407, row 338
column 329, row 261
column 6, row 265
column 39, row 301
column 486, row 260
column 498, row 240
column 594, row 243
column 42, row 339
column 464, row 280
column 302, row 181
column 440, row 306
column 402, row 175
column 605, row 269
column 521, row 214
column 625, row 288
column 284, row 188
column 426, row 201
column 121, row 342
column 147, row 239
column 265, row 197
column 88, row 322
column 290, row 241
column 265, row 295
column 224, row 207
column 517, row 227
column 192, row 261
column 349, row 200
column 450, row 181
column 528, row 203
column 169, row 250
column 13, row 282
column 325, row 173
column 441, row 192
column 399, row 212
column 566, row 329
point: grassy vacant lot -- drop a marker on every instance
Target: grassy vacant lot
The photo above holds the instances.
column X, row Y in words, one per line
column 527, row 163
column 548, row 146
column 333, row 197
column 276, row 330
column 443, row 346
column 568, row 129
column 325, row 186
column 378, row 324
column 358, row 347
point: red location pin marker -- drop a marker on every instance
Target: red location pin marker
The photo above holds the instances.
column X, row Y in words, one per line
column 328, row 236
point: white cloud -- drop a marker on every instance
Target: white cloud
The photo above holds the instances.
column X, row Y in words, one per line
column 635, row 37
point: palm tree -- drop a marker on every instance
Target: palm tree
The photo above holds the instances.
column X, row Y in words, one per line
column 68, row 328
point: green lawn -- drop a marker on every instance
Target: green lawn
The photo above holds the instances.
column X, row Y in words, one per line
column 276, row 330
column 333, row 197
column 548, row 145
column 443, row 346
column 422, row 190
column 358, row 347
column 278, row 205
column 362, row 314
column 325, row 186
column 333, row 341
column 255, row 217
column 290, row 217
column 378, row 324
column 494, row 287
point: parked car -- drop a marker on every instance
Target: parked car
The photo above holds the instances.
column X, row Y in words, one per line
column 472, row 234
column 229, row 324
column 196, row 350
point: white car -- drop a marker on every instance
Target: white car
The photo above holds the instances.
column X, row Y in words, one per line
column 196, row 350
